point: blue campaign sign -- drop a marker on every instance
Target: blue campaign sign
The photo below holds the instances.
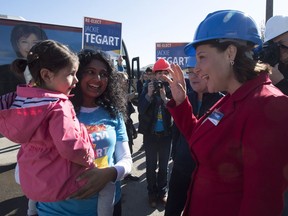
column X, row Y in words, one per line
column 103, row 35
column 172, row 52
column 17, row 37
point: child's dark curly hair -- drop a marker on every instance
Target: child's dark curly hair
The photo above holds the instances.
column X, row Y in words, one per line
column 113, row 98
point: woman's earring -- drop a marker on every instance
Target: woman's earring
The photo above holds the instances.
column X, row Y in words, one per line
column 232, row 62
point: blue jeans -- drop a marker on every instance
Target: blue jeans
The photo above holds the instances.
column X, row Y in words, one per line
column 157, row 150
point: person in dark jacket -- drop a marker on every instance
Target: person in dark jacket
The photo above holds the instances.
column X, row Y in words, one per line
column 276, row 32
column 183, row 163
column 155, row 123
column 142, row 80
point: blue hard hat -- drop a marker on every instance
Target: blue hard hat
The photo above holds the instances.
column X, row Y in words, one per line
column 191, row 62
column 225, row 24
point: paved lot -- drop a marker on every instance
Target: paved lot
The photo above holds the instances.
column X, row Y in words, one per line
column 134, row 194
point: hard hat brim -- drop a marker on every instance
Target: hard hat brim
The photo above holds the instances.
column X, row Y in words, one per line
column 189, row 49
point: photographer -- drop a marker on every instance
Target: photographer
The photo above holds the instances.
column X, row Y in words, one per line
column 275, row 51
column 276, row 33
column 155, row 124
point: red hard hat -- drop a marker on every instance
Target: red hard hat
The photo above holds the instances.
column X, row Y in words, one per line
column 160, row 65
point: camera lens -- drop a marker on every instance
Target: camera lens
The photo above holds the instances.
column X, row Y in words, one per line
column 270, row 53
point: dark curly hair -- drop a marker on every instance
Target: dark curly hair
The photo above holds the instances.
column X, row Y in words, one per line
column 113, row 98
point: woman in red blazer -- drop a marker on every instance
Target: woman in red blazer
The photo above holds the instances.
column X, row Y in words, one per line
column 241, row 144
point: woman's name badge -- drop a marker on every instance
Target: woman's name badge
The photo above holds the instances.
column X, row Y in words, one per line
column 215, row 117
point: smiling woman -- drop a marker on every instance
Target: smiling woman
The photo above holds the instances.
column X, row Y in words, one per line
column 231, row 142
column 100, row 104
column 24, row 36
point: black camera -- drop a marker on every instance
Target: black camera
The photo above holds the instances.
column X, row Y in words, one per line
column 157, row 85
column 269, row 53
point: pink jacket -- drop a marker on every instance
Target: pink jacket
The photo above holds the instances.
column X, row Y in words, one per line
column 241, row 150
column 55, row 147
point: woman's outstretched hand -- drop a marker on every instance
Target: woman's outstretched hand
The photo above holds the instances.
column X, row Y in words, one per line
column 177, row 83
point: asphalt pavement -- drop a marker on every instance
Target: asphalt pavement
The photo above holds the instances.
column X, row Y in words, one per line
column 134, row 194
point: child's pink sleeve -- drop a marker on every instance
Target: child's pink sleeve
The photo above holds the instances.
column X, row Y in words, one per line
column 70, row 137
